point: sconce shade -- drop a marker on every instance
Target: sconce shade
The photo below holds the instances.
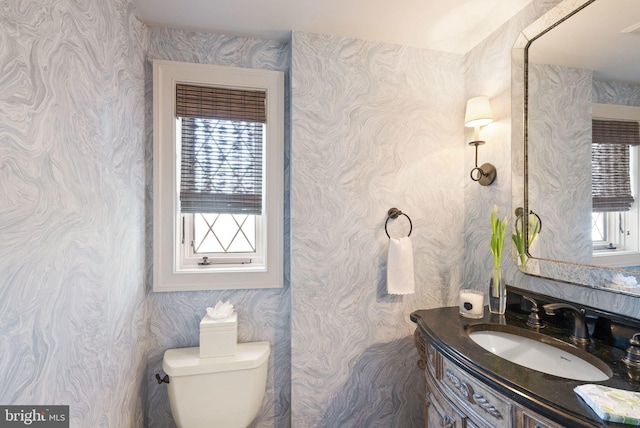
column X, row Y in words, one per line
column 478, row 112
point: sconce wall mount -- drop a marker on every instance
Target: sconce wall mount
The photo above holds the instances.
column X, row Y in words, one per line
column 485, row 174
column 478, row 113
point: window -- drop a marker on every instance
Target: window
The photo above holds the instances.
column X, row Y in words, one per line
column 610, row 163
column 218, row 177
column 615, row 174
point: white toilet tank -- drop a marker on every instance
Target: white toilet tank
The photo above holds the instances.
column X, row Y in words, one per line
column 220, row 392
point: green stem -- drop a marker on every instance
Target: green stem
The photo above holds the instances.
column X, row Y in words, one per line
column 495, row 288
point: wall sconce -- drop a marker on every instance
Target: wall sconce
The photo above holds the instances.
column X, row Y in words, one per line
column 478, row 114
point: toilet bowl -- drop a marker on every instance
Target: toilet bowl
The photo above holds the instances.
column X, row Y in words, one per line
column 221, row 392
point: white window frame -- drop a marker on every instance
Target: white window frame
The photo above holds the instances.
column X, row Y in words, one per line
column 627, row 252
column 168, row 273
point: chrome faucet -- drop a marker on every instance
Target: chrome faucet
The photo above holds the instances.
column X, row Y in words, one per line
column 580, row 333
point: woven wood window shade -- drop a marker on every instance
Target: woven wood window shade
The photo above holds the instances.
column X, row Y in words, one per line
column 222, row 142
column 610, row 179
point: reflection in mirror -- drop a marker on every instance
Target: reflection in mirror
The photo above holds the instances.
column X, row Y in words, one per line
column 581, row 62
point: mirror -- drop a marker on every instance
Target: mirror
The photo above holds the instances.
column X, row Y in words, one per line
column 578, row 62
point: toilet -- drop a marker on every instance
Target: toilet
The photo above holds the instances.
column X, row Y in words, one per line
column 219, row 392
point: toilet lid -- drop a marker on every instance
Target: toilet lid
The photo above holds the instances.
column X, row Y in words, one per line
column 187, row 361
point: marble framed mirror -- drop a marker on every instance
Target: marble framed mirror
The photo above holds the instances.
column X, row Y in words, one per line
column 574, row 64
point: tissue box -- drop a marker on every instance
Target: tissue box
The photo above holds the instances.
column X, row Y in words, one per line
column 218, row 338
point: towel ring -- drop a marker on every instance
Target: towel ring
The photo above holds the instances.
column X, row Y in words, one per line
column 520, row 215
column 395, row 213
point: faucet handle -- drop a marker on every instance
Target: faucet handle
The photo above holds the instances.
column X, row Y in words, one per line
column 533, row 302
column 534, row 319
column 632, row 359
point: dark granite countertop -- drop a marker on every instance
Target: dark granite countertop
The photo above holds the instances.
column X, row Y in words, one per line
column 548, row 395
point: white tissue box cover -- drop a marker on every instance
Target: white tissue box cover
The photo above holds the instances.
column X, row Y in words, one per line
column 218, row 338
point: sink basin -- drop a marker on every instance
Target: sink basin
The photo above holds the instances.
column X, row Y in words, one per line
column 539, row 352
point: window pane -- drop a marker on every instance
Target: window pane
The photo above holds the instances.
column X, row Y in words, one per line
column 204, row 239
column 224, row 233
column 598, row 227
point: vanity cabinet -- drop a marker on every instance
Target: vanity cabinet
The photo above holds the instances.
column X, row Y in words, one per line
column 454, row 398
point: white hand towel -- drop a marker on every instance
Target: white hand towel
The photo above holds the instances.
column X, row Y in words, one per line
column 400, row 276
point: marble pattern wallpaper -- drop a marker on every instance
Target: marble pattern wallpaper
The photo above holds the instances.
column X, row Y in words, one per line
column 559, row 156
column 372, row 126
column 375, row 126
column 72, row 301
column 262, row 314
column 611, row 92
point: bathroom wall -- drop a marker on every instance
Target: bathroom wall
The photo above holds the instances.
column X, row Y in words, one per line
column 262, row 314
column 488, row 71
column 72, row 318
column 385, row 136
column 375, row 126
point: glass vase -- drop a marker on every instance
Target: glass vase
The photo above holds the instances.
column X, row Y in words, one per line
column 497, row 293
column 522, row 259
